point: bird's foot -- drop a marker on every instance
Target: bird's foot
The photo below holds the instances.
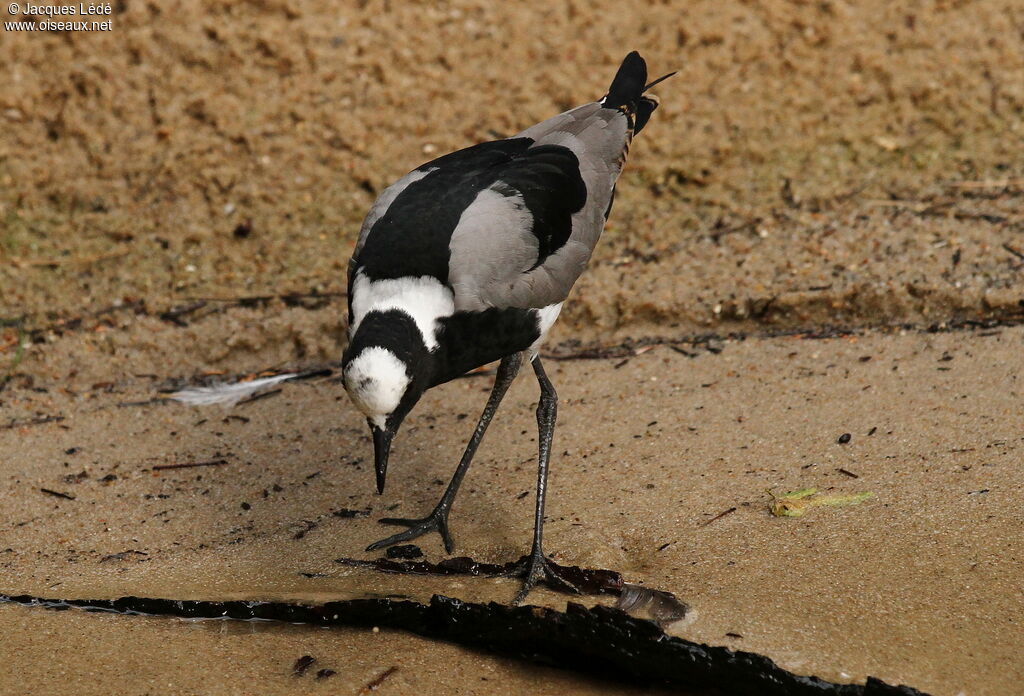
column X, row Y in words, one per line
column 533, row 569
column 437, row 521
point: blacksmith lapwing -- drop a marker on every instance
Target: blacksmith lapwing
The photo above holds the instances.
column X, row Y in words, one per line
column 467, row 260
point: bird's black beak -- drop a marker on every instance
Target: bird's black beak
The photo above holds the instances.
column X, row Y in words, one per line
column 381, row 448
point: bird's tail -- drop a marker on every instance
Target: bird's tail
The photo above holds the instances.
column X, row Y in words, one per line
column 626, row 93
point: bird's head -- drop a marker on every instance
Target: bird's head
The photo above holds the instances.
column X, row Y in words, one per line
column 383, row 371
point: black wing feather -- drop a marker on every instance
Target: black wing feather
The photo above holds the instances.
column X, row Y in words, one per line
column 412, row 237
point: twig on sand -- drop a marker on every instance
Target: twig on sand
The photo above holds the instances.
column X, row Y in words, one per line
column 261, row 395
column 290, row 299
column 717, row 517
column 57, row 494
column 56, row 263
column 175, row 314
column 1013, row 251
column 372, row 685
column 989, row 183
column 190, row 465
column 32, row 421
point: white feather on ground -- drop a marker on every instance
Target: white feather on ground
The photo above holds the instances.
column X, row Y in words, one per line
column 227, row 394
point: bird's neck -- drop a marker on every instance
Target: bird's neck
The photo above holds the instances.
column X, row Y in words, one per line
column 462, row 341
column 468, row 340
column 421, row 299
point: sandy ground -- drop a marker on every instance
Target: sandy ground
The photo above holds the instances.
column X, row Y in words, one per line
column 178, row 197
column 231, row 150
column 917, row 585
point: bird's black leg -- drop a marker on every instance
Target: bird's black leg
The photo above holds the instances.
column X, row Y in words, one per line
column 535, row 567
column 438, row 519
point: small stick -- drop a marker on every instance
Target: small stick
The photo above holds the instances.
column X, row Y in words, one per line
column 261, row 395
column 994, row 183
column 58, row 494
column 175, row 314
column 56, row 263
column 848, row 473
column 1013, row 251
column 190, row 465
column 683, row 351
column 313, row 373
column 372, row 686
column 254, row 299
column 32, row 421
column 145, row 402
column 717, row 517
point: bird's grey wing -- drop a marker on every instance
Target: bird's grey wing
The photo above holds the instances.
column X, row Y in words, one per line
column 497, row 254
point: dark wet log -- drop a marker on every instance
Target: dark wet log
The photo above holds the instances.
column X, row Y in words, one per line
column 603, row 641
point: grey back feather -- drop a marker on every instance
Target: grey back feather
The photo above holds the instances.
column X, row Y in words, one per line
column 492, row 245
column 493, row 249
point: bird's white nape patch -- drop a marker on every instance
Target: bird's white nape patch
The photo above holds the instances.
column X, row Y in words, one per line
column 376, row 380
column 546, row 317
column 425, row 299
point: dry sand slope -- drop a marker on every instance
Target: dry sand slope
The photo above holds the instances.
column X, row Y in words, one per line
column 178, row 196
column 231, row 149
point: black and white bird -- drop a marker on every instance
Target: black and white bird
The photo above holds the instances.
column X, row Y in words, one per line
column 467, row 260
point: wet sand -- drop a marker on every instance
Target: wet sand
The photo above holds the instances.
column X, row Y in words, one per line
column 104, row 654
column 916, row 585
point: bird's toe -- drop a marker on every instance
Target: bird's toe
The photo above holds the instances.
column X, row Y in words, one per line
column 535, row 568
column 435, row 522
column 400, row 521
column 556, row 581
